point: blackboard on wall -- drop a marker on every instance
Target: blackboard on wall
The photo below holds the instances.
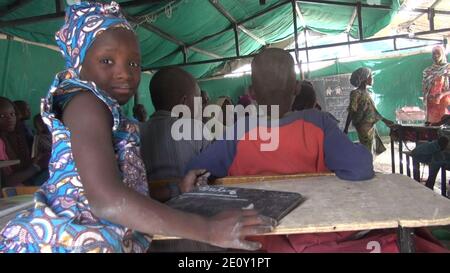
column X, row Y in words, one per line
column 333, row 95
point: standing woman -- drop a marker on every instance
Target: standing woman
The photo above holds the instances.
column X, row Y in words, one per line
column 363, row 113
column 436, row 86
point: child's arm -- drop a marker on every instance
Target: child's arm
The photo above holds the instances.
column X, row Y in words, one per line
column 348, row 160
column 216, row 158
column 90, row 122
column 192, row 179
column 17, row 178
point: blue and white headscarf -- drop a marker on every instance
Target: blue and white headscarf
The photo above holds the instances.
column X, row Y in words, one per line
column 83, row 23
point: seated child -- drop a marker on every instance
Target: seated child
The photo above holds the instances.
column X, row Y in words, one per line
column 14, row 176
column 309, row 141
column 97, row 199
column 165, row 157
column 431, row 153
column 139, row 113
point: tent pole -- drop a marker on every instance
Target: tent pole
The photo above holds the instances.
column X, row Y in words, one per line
column 380, row 7
column 294, row 19
column 58, row 6
column 349, row 46
column 360, row 22
column 14, row 6
column 431, row 18
column 234, row 22
column 236, row 40
column 305, row 32
column 312, row 47
column 239, row 23
column 184, row 50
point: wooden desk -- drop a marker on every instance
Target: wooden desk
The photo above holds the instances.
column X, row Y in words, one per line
column 387, row 201
column 231, row 180
column 6, row 163
column 413, row 133
column 10, row 206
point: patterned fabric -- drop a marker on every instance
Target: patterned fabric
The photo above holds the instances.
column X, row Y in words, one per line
column 369, row 137
column 61, row 220
column 83, row 23
column 434, row 83
column 359, row 76
column 363, row 108
column 364, row 116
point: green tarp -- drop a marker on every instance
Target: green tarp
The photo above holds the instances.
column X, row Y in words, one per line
column 28, row 70
column 189, row 21
column 397, row 82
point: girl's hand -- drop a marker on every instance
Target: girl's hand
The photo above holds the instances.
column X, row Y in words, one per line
column 192, row 179
column 228, row 229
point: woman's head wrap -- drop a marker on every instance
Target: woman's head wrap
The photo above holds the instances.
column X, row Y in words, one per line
column 359, row 76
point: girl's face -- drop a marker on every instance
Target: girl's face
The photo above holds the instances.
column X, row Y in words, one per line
column 7, row 118
column 113, row 62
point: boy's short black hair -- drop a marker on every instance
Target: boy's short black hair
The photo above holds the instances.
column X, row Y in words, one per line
column 168, row 85
column 306, row 99
column 443, row 142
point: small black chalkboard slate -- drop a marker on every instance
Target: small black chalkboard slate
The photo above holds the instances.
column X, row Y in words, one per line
column 210, row 200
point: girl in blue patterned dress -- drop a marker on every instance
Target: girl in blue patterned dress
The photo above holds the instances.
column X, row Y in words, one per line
column 97, row 199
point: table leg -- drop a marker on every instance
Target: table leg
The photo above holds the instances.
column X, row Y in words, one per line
column 416, row 170
column 408, row 169
column 400, row 154
column 392, row 155
column 443, row 182
column 405, row 240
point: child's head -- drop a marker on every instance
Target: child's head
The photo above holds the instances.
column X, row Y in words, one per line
column 39, row 124
column 139, row 112
column 99, row 45
column 7, row 116
column 443, row 142
column 273, row 79
column 244, row 100
column 306, row 99
column 23, row 109
column 173, row 86
column 361, row 77
column 439, row 55
column 205, row 98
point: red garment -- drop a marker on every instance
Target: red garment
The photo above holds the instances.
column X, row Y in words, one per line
column 4, row 156
column 300, row 154
column 376, row 241
column 436, row 108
